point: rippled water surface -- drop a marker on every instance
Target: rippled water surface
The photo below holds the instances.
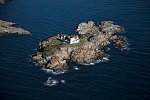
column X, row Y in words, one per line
column 126, row 76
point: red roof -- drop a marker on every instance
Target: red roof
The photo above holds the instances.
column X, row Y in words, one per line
column 49, row 40
column 76, row 36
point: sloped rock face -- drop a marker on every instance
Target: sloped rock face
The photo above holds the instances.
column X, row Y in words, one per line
column 84, row 28
column 119, row 41
column 97, row 39
column 110, row 28
column 86, row 56
column 57, row 64
column 6, row 28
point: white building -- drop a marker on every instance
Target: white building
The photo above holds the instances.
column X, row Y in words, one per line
column 63, row 37
column 74, row 39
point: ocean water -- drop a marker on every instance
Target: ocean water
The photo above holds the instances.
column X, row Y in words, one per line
column 126, row 76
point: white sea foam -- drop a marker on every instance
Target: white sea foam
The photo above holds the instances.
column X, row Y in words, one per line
column 63, row 81
column 125, row 48
column 52, row 72
column 91, row 63
column 50, row 82
column 35, row 63
column 88, row 64
column 76, row 67
column 104, row 59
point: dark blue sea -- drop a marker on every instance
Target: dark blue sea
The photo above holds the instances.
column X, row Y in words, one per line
column 126, row 76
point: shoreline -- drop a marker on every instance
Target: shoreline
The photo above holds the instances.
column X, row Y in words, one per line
column 94, row 41
column 8, row 28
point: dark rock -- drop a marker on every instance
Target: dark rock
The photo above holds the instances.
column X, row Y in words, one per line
column 6, row 28
column 119, row 41
column 2, row 2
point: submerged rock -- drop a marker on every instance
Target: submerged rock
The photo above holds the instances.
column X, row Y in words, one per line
column 50, row 82
column 6, row 28
column 94, row 41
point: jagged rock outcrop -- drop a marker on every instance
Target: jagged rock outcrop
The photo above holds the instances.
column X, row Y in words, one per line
column 6, row 28
column 96, row 39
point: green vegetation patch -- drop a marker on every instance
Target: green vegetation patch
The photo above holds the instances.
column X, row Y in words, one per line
column 56, row 43
column 4, row 26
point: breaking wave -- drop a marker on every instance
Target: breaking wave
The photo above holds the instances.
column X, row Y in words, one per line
column 52, row 72
column 125, row 48
column 104, row 59
column 50, row 82
column 63, row 81
column 76, row 67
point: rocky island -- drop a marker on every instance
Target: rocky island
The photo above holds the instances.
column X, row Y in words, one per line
column 7, row 28
column 87, row 47
column 4, row 1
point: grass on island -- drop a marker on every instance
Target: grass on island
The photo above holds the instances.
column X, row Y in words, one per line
column 58, row 43
column 3, row 26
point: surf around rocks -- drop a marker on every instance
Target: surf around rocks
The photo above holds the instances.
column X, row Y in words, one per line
column 87, row 46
